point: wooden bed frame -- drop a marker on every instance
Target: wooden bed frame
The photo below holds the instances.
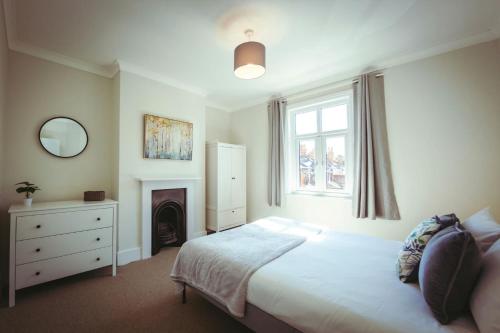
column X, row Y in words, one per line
column 255, row 319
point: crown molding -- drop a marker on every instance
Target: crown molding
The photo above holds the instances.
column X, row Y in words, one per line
column 37, row 52
column 108, row 71
column 313, row 87
column 487, row 36
column 211, row 104
column 131, row 68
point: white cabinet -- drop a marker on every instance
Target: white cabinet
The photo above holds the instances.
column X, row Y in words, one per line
column 51, row 240
column 226, row 185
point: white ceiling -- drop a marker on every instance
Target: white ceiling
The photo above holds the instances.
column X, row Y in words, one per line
column 190, row 43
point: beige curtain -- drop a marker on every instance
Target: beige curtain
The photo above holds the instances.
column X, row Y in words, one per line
column 276, row 173
column 373, row 194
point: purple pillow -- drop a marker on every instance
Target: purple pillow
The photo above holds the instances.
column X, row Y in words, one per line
column 448, row 271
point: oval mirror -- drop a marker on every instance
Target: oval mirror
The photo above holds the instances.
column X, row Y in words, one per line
column 63, row 137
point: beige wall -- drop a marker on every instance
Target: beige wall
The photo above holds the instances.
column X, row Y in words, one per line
column 218, row 127
column 444, row 131
column 4, row 245
column 116, row 136
column 443, row 117
column 38, row 90
column 4, row 52
column 139, row 96
column 112, row 111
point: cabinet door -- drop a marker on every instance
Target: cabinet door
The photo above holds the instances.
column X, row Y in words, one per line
column 231, row 218
column 226, row 219
column 224, row 191
column 238, row 195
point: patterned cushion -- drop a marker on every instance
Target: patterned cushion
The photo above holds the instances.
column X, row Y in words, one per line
column 414, row 245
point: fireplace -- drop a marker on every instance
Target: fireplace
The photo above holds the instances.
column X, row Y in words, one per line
column 193, row 209
column 168, row 218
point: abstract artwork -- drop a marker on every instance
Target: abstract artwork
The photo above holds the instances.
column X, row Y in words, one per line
column 167, row 138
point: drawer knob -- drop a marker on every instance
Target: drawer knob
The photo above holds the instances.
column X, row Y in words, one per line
column 37, row 273
column 37, row 250
column 233, row 211
column 98, row 219
column 38, row 226
column 98, row 239
column 98, row 259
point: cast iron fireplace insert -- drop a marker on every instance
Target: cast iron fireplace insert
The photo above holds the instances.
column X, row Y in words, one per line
column 168, row 218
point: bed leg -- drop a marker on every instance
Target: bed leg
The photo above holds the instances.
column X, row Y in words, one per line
column 184, row 294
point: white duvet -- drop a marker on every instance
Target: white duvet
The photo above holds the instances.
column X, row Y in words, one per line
column 344, row 283
column 221, row 264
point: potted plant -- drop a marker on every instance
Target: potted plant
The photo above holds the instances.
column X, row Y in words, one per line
column 28, row 189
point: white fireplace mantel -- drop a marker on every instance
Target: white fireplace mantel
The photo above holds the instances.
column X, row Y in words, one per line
column 193, row 206
column 162, row 179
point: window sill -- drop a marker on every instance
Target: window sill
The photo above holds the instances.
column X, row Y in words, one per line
column 323, row 194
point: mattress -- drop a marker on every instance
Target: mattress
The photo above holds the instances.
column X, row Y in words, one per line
column 338, row 282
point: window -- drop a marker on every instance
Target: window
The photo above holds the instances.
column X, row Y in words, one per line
column 320, row 145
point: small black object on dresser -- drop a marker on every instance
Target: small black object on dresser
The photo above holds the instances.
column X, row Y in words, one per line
column 93, row 196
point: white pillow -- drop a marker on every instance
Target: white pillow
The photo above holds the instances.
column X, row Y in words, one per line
column 485, row 299
column 484, row 228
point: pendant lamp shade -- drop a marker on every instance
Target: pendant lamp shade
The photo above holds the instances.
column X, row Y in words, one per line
column 250, row 60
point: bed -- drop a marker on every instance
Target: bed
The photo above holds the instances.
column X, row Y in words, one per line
column 335, row 282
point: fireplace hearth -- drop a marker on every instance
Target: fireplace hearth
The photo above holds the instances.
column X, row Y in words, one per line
column 168, row 218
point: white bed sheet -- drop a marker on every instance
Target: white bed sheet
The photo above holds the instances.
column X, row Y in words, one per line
column 340, row 283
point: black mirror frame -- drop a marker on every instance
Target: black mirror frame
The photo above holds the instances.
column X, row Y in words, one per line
column 58, row 117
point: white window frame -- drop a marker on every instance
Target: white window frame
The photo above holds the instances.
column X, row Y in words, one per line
column 339, row 98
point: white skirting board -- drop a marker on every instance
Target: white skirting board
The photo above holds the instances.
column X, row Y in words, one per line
column 134, row 254
column 128, row 255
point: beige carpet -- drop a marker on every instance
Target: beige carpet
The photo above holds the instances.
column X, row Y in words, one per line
column 141, row 298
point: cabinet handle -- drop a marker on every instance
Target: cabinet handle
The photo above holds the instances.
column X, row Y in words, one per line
column 38, row 226
column 98, row 239
column 98, row 259
column 233, row 177
column 37, row 250
column 37, row 273
column 98, row 219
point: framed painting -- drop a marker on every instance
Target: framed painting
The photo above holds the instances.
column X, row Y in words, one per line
column 166, row 138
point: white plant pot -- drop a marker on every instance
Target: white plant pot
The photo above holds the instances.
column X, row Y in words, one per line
column 27, row 202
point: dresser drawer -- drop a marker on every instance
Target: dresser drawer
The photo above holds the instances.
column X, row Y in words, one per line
column 35, row 249
column 34, row 226
column 51, row 269
column 232, row 218
column 239, row 216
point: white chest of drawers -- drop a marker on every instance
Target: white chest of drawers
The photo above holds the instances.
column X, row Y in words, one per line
column 51, row 240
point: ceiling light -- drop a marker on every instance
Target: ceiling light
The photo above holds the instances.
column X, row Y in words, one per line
column 249, row 59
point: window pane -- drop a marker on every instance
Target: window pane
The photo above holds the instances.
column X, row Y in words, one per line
column 335, row 163
column 334, row 118
column 307, row 163
column 306, row 123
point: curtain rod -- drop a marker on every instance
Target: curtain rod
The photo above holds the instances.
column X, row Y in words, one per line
column 376, row 75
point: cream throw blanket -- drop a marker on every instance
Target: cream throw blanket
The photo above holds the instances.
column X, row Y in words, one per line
column 221, row 264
